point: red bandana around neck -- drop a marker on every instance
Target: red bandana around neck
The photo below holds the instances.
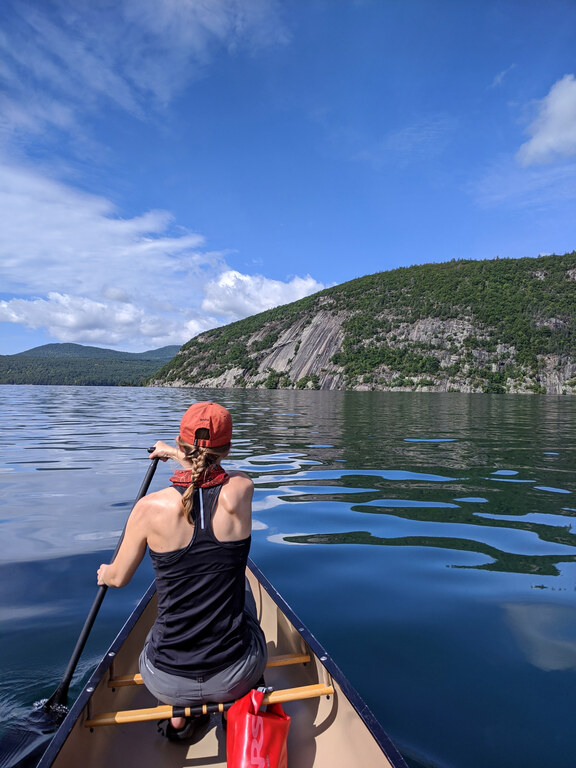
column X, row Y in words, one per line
column 211, row 476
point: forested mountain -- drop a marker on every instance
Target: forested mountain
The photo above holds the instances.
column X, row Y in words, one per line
column 505, row 325
column 75, row 364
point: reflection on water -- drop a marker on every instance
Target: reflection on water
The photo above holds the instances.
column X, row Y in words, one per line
column 546, row 634
column 466, row 604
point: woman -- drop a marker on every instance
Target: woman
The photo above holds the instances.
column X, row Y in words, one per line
column 206, row 644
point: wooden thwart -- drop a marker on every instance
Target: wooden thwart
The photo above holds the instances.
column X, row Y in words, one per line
column 288, row 658
column 165, row 711
column 273, row 661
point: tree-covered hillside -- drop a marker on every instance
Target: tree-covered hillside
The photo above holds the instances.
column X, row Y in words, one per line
column 492, row 326
column 75, row 364
column 82, row 351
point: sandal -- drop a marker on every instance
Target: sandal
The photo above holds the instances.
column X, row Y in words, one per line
column 193, row 730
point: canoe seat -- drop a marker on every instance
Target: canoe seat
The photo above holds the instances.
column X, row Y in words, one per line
column 273, row 661
column 165, row 711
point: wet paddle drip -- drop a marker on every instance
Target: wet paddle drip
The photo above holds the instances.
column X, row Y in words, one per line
column 57, row 711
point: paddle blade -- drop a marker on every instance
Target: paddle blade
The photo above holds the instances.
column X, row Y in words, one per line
column 55, row 707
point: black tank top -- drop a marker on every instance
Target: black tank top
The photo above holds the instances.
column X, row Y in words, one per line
column 201, row 628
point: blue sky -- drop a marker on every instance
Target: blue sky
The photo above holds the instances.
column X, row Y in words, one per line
column 167, row 166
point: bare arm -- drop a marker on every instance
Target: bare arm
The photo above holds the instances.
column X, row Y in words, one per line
column 132, row 550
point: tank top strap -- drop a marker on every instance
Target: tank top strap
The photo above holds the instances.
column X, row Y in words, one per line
column 207, row 500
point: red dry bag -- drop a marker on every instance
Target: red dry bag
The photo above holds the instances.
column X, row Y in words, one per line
column 254, row 738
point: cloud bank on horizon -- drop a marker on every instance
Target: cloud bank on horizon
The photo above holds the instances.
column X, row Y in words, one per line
column 168, row 167
column 101, row 279
column 95, row 276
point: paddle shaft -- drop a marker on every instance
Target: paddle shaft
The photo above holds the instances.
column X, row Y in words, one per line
column 61, row 693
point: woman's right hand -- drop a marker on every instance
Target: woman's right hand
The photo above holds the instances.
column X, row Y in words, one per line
column 101, row 575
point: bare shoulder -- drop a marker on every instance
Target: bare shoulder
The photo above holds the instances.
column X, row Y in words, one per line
column 236, row 473
column 157, row 502
column 238, row 489
column 240, row 482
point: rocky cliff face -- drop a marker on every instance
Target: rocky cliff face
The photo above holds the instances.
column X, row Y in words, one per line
column 304, row 351
column 332, row 341
column 302, row 357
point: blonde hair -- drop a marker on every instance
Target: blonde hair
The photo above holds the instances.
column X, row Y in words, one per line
column 201, row 459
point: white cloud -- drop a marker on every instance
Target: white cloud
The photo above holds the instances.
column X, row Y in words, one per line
column 70, row 263
column 553, row 132
column 82, row 320
column 531, row 179
column 234, row 295
column 69, row 260
column 57, row 238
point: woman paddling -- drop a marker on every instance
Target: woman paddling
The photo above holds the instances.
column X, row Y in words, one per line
column 206, row 644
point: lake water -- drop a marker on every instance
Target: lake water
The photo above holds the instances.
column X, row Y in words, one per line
column 426, row 539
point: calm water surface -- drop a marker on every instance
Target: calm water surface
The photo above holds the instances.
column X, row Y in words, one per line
column 426, row 539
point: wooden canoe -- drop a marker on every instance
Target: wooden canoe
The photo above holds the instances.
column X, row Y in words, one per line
column 112, row 722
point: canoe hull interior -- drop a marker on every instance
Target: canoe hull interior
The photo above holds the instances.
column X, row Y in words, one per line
column 329, row 731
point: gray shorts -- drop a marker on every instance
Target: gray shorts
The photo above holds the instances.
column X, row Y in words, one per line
column 228, row 684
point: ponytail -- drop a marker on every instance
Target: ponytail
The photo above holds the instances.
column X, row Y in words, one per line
column 200, row 459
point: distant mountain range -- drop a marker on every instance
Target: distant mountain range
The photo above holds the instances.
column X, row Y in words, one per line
column 78, row 365
column 496, row 326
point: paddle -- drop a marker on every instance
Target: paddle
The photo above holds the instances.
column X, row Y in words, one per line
column 57, row 701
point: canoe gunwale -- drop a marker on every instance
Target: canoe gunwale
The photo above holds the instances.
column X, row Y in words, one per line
column 366, row 715
column 372, row 724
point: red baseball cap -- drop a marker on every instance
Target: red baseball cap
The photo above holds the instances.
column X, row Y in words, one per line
column 211, row 416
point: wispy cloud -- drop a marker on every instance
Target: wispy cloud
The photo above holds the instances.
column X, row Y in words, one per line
column 505, row 183
column 499, row 78
column 68, row 68
column 553, row 131
column 541, row 175
column 425, row 138
column 134, row 54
